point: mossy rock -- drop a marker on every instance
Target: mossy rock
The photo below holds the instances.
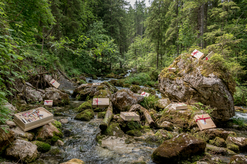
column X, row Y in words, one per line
column 134, row 133
column 102, row 94
column 220, row 142
column 99, row 109
column 111, row 75
column 42, row 146
column 163, row 134
column 54, row 151
column 114, row 130
column 126, row 85
column 135, row 88
column 85, row 115
column 130, row 125
column 233, row 147
column 94, row 77
column 119, row 83
column 85, row 105
column 57, row 124
column 101, row 114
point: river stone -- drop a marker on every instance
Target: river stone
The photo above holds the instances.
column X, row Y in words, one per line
column 240, row 141
column 20, row 134
column 23, row 150
column 47, row 131
column 11, row 124
column 123, row 99
column 162, row 103
column 5, row 139
column 58, row 97
column 178, row 148
column 74, row 161
column 238, row 159
column 64, row 121
column 190, row 83
column 59, row 143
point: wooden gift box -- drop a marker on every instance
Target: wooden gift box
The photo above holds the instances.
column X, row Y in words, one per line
column 209, row 55
column 145, row 94
column 96, row 84
column 47, row 118
column 129, row 116
column 100, row 102
column 181, row 106
column 204, row 121
column 48, row 102
column 54, row 83
column 171, row 69
column 197, row 54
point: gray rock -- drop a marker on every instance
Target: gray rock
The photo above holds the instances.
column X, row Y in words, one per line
column 58, row 97
column 64, row 121
column 190, row 83
column 5, row 139
column 238, row 159
column 122, row 100
column 178, row 148
column 11, row 124
column 20, row 134
column 162, row 103
column 23, row 150
column 47, row 131
column 10, row 107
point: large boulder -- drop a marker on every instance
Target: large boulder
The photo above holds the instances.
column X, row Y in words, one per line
column 20, row 134
column 58, row 97
column 123, row 99
column 5, row 139
column 199, row 82
column 48, row 131
column 23, row 150
column 180, row 147
column 239, row 141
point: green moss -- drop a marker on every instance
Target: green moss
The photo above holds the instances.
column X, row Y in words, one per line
column 85, row 105
column 102, row 94
column 111, row 75
column 54, row 139
column 85, row 115
column 54, row 151
column 42, row 146
column 220, row 142
column 57, row 124
column 101, row 114
column 233, row 147
column 94, row 77
column 114, row 130
column 135, row 88
column 126, row 85
column 100, row 87
column 134, row 133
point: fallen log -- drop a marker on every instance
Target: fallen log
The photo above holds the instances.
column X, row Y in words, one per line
column 143, row 110
column 108, row 116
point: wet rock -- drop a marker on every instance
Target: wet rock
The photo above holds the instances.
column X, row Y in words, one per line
column 19, row 133
column 85, row 105
column 74, row 161
column 64, row 121
column 48, row 131
column 59, row 143
column 59, row 98
column 220, row 142
column 177, row 148
column 85, row 115
column 162, row 103
column 238, row 159
column 210, row 134
column 219, row 150
column 101, row 114
column 23, row 150
column 5, row 139
column 11, row 124
column 113, row 130
column 123, row 99
column 239, row 141
column 192, row 81
column 67, row 133
column 166, row 125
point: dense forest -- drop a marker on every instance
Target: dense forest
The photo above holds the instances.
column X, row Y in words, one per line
column 103, row 36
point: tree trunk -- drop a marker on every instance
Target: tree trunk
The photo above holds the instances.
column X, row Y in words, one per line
column 202, row 24
column 107, row 119
column 157, row 63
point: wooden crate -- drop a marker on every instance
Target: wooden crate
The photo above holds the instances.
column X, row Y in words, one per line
column 145, row 94
column 209, row 55
column 171, row 69
column 204, row 122
column 47, row 118
column 96, row 84
column 100, row 102
column 54, row 83
column 48, row 102
column 181, row 106
column 129, row 116
column 197, row 54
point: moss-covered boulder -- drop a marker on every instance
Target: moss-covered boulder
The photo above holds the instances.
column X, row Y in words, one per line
column 134, row 133
column 101, row 114
column 85, row 105
column 129, row 125
column 42, row 146
column 220, row 142
column 239, row 141
column 59, row 98
column 85, row 115
column 94, row 77
column 47, row 132
column 238, row 159
column 56, row 123
column 218, row 150
column 208, row 82
column 123, row 99
column 103, row 93
column 113, row 130
column 110, row 75
column 163, row 135
column 135, row 88
column 233, row 147
column 180, row 147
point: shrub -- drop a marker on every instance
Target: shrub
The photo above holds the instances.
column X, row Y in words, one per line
column 150, row 102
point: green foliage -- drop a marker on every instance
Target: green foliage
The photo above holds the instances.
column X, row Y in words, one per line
column 239, row 121
column 42, row 146
column 205, row 108
column 138, row 79
column 150, row 102
column 240, row 96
